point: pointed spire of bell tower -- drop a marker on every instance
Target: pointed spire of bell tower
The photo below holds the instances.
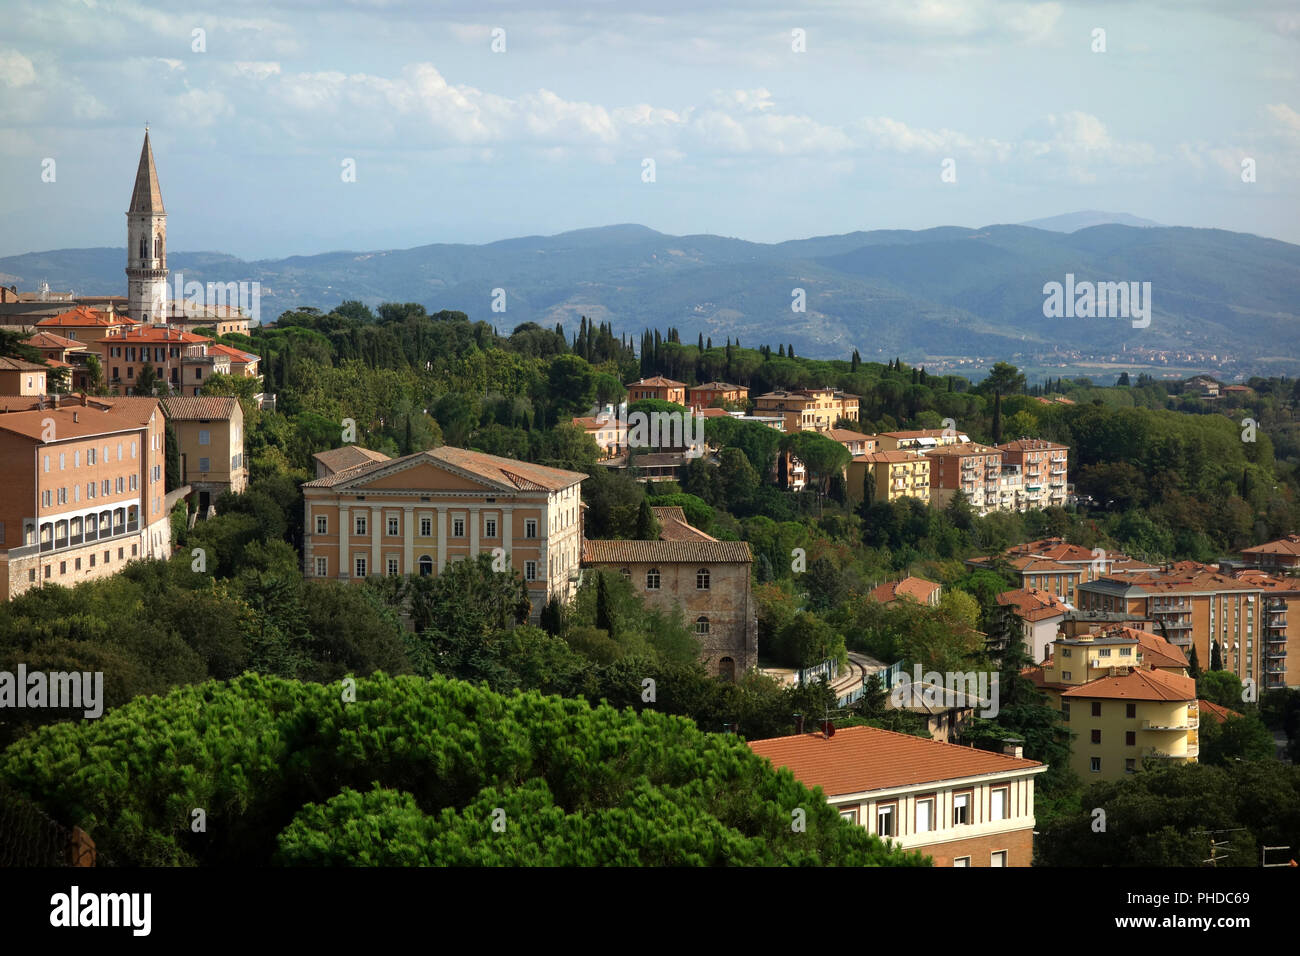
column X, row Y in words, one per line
column 146, row 244
column 146, row 197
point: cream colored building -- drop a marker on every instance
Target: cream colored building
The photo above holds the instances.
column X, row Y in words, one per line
column 210, row 432
column 412, row 515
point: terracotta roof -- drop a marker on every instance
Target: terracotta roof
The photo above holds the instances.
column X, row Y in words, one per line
column 657, row 381
column 919, row 589
column 1288, row 545
column 349, row 456
column 964, row 449
column 153, row 335
column 673, row 525
column 516, row 475
column 1034, row 604
column 1215, row 712
column 861, row 759
column 1032, row 444
column 84, row 315
column 48, row 340
column 1156, row 651
column 848, row 434
column 718, row 387
column 74, row 421
column 200, row 407
column 1137, row 684
column 712, row 412
column 665, row 552
column 918, row 433
column 237, row 354
column 895, row 456
column 8, row 364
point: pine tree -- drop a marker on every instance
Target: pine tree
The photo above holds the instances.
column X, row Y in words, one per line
column 604, row 614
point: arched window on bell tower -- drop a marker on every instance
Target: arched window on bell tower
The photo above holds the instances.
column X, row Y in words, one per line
column 157, row 247
column 144, row 247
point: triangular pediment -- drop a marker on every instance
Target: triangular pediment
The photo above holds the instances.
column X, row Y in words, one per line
column 423, row 475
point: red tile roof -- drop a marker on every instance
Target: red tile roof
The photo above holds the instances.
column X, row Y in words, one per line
column 200, row 408
column 1216, row 712
column 919, row 589
column 673, row 525
column 861, row 759
column 658, row 381
column 1137, row 684
column 82, row 316
column 1034, row 604
column 666, row 552
column 507, row 472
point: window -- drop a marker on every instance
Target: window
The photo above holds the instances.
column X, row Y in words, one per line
column 104, row 488
column 530, row 570
column 1065, row 711
column 1130, row 765
column 850, row 815
column 360, row 524
column 652, row 579
column 63, row 495
column 1065, row 652
column 205, row 437
column 961, row 861
column 392, row 567
column 360, row 565
column 1130, row 711
column 1096, row 708
column 76, row 459
column 702, row 579
column 1130, row 738
column 530, row 528
column 458, row 527
column 626, row 572
column 47, row 462
column 76, row 491
column 998, row 858
column 134, row 483
column 322, row 524
column 998, row 803
column 1095, row 765
column 322, row 567
column 63, row 567
column 925, row 815
column 1065, row 675
column 702, row 625
column 47, row 498
column 133, row 448
column 960, row 809
column 426, row 566
column 1096, row 736
column 392, row 527
column 205, row 464
column 63, row 460
column 885, row 819
column 426, row 526
column 489, row 527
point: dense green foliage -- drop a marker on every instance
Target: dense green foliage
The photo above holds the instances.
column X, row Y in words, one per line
column 412, row 772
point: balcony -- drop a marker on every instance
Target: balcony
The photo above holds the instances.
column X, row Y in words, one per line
column 1193, row 722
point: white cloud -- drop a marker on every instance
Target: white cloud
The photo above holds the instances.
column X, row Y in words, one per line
column 16, row 69
column 257, row 69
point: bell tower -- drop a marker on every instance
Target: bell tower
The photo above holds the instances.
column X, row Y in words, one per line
column 146, row 244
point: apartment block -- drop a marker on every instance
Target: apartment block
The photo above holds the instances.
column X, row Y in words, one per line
column 958, row 805
column 82, row 491
column 890, row 475
column 1281, row 556
column 414, row 514
column 808, row 409
column 1055, row 566
column 971, row 468
column 1043, row 469
column 180, row 359
column 1126, row 697
column 922, row 439
column 1243, row 615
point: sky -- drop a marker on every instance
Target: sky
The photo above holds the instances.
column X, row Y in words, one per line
column 764, row 121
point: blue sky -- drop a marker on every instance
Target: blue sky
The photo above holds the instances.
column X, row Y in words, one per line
column 455, row 143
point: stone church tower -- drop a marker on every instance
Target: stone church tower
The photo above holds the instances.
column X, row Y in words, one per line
column 146, row 244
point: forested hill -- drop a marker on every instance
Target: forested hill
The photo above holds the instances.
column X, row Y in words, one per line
column 944, row 291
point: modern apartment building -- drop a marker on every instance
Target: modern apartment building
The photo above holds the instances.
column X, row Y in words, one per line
column 1043, row 469
column 808, row 409
column 414, row 514
column 82, row 491
column 968, row 467
column 1242, row 616
column 891, row 474
column 922, row 439
column 958, row 805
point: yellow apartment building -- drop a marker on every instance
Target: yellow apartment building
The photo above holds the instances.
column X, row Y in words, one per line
column 893, row 474
column 210, row 432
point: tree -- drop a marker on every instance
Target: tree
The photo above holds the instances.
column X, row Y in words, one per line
column 148, row 382
column 604, row 614
column 997, row 418
column 173, row 467
column 1003, row 378
column 647, row 525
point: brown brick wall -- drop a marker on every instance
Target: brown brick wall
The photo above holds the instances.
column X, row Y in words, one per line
column 1019, row 845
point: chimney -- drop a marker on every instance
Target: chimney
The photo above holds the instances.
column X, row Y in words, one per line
column 828, row 728
column 1013, row 746
column 798, row 723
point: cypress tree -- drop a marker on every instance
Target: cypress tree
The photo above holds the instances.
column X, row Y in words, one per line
column 997, row 417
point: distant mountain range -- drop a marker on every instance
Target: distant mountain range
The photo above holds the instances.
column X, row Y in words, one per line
column 1074, row 221
column 947, row 291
